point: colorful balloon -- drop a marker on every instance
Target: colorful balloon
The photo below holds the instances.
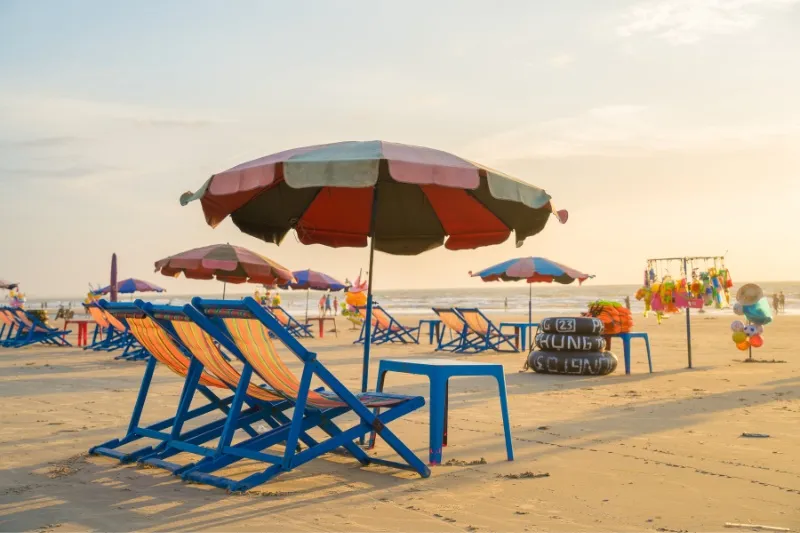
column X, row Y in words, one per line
column 739, row 337
column 750, row 330
column 756, row 341
column 737, row 325
column 738, row 309
column 743, row 345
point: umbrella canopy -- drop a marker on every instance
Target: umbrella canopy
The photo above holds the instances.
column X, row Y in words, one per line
column 397, row 198
column 532, row 269
column 329, row 195
column 131, row 285
column 7, row 284
column 230, row 264
column 311, row 279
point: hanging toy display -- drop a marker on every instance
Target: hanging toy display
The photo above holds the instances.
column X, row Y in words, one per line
column 17, row 298
column 693, row 289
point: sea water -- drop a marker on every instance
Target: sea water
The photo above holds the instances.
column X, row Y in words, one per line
column 491, row 297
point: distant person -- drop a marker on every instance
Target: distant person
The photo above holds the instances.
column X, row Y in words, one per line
column 322, row 305
column 328, row 304
column 505, row 304
column 782, row 301
column 335, row 306
column 628, row 302
column 776, row 302
column 276, row 300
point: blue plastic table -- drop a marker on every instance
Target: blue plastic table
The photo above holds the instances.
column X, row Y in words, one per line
column 521, row 329
column 433, row 323
column 626, row 347
column 439, row 371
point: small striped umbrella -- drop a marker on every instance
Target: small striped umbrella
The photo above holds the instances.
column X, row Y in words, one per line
column 396, row 198
column 532, row 270
column 226, row 263
column 7, row 284
column 131, row 285
column 311, row 279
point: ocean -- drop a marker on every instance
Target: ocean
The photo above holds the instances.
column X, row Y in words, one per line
column 547, row 299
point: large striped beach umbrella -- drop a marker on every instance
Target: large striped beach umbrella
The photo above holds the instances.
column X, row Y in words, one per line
column 399, row 199
column 226, row 263
column 532, row 270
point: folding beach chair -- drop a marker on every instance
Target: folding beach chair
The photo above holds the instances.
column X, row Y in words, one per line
column 487, row 335
column 31, row 330
column 106, row 338
column 7, row 326
column 133, row 350
column 385, row 328
column 291, row 324
column 247, row 334
column 461, row 337
column 167, row 350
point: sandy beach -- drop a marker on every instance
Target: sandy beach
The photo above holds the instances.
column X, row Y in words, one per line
column 645, row 452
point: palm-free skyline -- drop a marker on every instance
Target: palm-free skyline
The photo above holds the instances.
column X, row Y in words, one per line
column 665, row 127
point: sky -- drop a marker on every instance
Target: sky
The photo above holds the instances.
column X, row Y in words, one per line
column 664, row 127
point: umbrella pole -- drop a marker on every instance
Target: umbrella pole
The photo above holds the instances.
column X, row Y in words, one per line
column 368, row 325
column 530, row 316
column 224, row 286
column 308, row 291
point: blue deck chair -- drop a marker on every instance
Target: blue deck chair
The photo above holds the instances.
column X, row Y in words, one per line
column 132, row 350
column 385, row 328
column 106, row 338
column 262, row 402
column 247, row 334
column 9, row 324
column 485, row 335
column 31, row 330
column 461, row 339
column 167, row 350
column 292, row 325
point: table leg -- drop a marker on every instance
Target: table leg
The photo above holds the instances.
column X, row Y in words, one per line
column 430, row 333
column 321, row 327
column 501, row 384
column 626, row 351
column 524, row 336
column 516, row 336
column 446, row 411
column 437, row 408
column 377, row 410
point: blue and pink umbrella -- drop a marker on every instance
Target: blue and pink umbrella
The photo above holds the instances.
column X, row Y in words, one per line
column 131, row 285
column 311, row 279
column 532, row 270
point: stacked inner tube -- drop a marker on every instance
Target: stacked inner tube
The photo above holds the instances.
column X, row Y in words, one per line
column 571, row 345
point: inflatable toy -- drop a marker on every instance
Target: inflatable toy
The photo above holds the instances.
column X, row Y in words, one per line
column 615, row 317
column 575, row 363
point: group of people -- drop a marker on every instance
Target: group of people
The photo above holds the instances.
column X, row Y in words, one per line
column 778, row 302
column 326, row 307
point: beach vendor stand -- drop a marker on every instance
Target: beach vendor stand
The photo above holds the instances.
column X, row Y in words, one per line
column 694, row 288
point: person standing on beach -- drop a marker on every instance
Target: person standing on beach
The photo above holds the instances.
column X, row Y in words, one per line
column 782, row 301
column 335, row 306
column 776, row 302
column 328, row 304
column 322, row 305
column 505, row 304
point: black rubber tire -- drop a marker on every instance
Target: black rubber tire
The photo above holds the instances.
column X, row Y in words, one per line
column 554, row 342
column 572, row 325
column 572, row 363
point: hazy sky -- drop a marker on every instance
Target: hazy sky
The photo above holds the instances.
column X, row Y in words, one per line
column 665, row 127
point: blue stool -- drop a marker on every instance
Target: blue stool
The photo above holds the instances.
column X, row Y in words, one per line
column 626, row 346
column 434, row 325
column 439, row 371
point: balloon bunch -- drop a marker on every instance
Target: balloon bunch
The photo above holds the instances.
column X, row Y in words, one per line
column 747, row 336
column 17, row 298
column 753, row 305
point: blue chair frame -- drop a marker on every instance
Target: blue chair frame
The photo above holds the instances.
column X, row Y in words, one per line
column 294, row 327
column 396, row 332
column 36, row 332
column 208, row 314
